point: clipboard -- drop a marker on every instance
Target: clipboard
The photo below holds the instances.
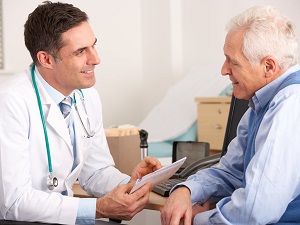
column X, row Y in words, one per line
column 158, row 176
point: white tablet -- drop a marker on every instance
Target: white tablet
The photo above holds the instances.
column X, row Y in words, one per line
column 158, row 176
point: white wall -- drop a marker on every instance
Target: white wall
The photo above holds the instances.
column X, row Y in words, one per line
column 145, row 46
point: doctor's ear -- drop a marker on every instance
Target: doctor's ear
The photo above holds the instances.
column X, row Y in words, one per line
column 270, row 66
column 46, row 60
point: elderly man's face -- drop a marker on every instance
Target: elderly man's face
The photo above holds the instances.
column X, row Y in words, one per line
column 246, row 80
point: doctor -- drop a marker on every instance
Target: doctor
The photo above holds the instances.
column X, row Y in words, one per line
column 42, row 155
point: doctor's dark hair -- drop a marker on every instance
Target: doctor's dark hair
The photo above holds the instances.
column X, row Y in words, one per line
column 45, row 25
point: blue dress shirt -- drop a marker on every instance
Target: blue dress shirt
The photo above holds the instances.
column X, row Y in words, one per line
column 272, row 175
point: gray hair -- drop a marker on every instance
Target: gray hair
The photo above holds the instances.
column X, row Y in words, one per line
column 267, row 33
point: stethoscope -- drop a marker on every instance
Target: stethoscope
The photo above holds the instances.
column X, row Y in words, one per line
column 52, row 181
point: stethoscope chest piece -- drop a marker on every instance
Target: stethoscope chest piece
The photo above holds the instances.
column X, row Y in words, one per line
column 52, row 182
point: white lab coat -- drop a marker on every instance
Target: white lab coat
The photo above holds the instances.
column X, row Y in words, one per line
column 23, row 158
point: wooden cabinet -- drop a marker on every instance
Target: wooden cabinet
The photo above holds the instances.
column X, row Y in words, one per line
column 212, row 120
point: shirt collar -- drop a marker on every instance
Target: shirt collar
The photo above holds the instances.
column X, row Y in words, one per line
column 53, row 93
column 263, row 95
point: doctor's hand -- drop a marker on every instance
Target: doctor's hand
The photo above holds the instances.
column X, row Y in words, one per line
column 178, row 207
column 147, row 165
column 118, row 204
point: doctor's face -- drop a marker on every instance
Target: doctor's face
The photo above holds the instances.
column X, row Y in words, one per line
column 246, row 79
column 76, row 61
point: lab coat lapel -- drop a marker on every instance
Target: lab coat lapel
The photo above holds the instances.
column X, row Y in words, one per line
column 53, row 117
column 57, row 122
column 80, row 148
column 82, row 142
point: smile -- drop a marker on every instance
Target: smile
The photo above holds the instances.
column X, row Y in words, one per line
column 88, row 71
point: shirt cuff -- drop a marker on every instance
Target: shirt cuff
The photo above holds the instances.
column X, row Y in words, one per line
column 125, row 181
column 204, row 218
column 86, row 211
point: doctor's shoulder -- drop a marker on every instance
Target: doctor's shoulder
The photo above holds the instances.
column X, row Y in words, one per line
column 18, row 83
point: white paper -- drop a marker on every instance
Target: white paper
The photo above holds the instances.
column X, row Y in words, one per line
column 158, row 176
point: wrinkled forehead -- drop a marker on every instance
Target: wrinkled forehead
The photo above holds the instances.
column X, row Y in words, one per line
column 233, row 42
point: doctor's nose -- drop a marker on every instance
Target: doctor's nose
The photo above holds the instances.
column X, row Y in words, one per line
column 93, row 58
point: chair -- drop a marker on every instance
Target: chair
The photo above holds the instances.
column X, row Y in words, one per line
column 237, row 109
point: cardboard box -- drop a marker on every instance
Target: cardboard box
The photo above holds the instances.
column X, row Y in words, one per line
column 126, row 151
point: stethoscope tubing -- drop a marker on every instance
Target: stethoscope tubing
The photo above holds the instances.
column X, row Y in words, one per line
column 42, row 118
column 88, row 133
column 52, row 181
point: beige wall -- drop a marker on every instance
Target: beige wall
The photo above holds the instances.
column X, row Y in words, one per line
column 145, row 45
